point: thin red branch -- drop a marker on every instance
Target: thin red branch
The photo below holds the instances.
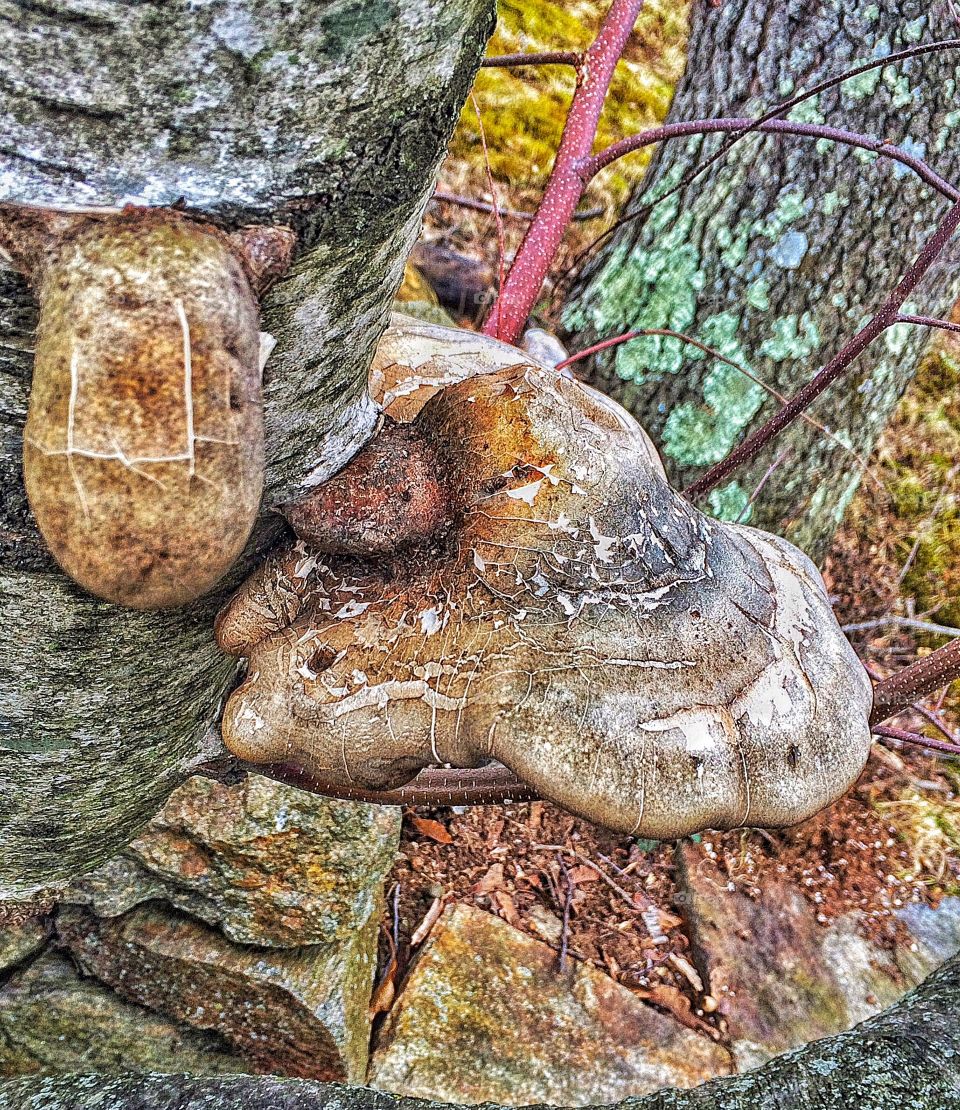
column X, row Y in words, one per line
column 566, row 184
column 927, row 322
column 544, row 58
column 774, row 126
column 836, row 367
column 900, row 690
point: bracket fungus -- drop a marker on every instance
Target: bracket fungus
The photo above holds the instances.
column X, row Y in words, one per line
column 143, row 447
column 509, row 577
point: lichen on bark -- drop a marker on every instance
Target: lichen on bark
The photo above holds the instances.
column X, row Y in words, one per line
column 779, row 252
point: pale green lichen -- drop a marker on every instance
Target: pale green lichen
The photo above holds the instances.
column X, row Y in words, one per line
column 698, row 435
column 791, row 205
column 731, row 503
column 794, row 337
column 757, row 295
column 913, row 31
column 807, row 111
column 862, row 86
column 831, row 202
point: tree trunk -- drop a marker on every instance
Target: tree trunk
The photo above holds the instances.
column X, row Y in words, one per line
column 907, row 1056
column 330, row 116
column 778, row 253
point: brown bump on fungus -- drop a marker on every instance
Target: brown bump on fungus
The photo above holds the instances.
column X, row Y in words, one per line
column 143, row 447
column 565, row 613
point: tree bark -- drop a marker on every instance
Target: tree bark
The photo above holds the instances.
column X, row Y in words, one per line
column 329, row 116
column 780, row 252
column 906, row 1056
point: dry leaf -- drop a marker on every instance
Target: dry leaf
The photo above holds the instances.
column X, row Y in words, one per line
column 582, row 874
column 385, row 991
column 505, row 907
column 433, row 829
column 492, row 880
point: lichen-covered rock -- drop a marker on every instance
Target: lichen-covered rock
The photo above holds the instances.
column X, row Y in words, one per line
column 486, row 1016
column 19, row 942
column 54, row 1020
column 781, row 978
column 300, row 1012
column 265, row 863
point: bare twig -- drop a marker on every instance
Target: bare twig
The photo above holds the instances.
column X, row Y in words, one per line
column 545, row 58
column 624, row 894
column 903, row 622
column 768, row 474
column 916, row 738
column 777, row 111
column 927, row 322
column 443, row 197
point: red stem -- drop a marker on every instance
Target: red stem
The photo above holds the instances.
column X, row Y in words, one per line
column 801, row 400
column 900, row 690
column 917, row 738
column 566, row 183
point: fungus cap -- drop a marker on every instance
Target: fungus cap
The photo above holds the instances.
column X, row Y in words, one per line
column 567, row 614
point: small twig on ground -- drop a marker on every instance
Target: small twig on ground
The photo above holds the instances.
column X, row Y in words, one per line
column 567, row 904
column 624, row 894
column 902, row 622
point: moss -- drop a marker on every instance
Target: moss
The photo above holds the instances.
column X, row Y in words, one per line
column 523, row 110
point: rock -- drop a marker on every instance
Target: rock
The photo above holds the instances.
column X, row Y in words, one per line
column 266, row 863
column 486, row 1016
column 301, row 1012
column 935, row 938
column 52, row 1020
column 781, row 978
column 19, row 942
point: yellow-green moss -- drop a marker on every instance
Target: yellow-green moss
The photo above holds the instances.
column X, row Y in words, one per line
column 523, row 110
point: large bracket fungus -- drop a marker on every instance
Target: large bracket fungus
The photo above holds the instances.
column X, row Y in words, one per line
column 509, row 577
column 143, row 448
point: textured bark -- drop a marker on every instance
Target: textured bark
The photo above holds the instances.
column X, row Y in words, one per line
column 332, row 116
column 907, row 1056
column 779, row 252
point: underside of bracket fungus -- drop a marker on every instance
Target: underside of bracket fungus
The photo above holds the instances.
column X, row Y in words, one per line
column 143, row 448
column 510, row 577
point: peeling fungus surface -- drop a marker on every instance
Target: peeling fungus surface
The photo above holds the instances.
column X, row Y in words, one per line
column 547, row 600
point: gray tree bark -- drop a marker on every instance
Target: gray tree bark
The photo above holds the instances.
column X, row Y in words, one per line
column 908, row 1056
column 781, row 251
column 330, row 115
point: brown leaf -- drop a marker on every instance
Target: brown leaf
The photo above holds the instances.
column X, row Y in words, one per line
column 674, row 1000
column 492, row 880
column 506, row 907
column 582, row 874
column 433, row 829
column 385, row 991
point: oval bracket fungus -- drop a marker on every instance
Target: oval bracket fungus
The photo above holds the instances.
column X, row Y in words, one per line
column 509, row 577
column 143, row 447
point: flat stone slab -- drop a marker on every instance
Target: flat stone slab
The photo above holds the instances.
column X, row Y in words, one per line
column 266, row 863
column 301, row 1012
column 53, row 1020
column 486, row 1016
